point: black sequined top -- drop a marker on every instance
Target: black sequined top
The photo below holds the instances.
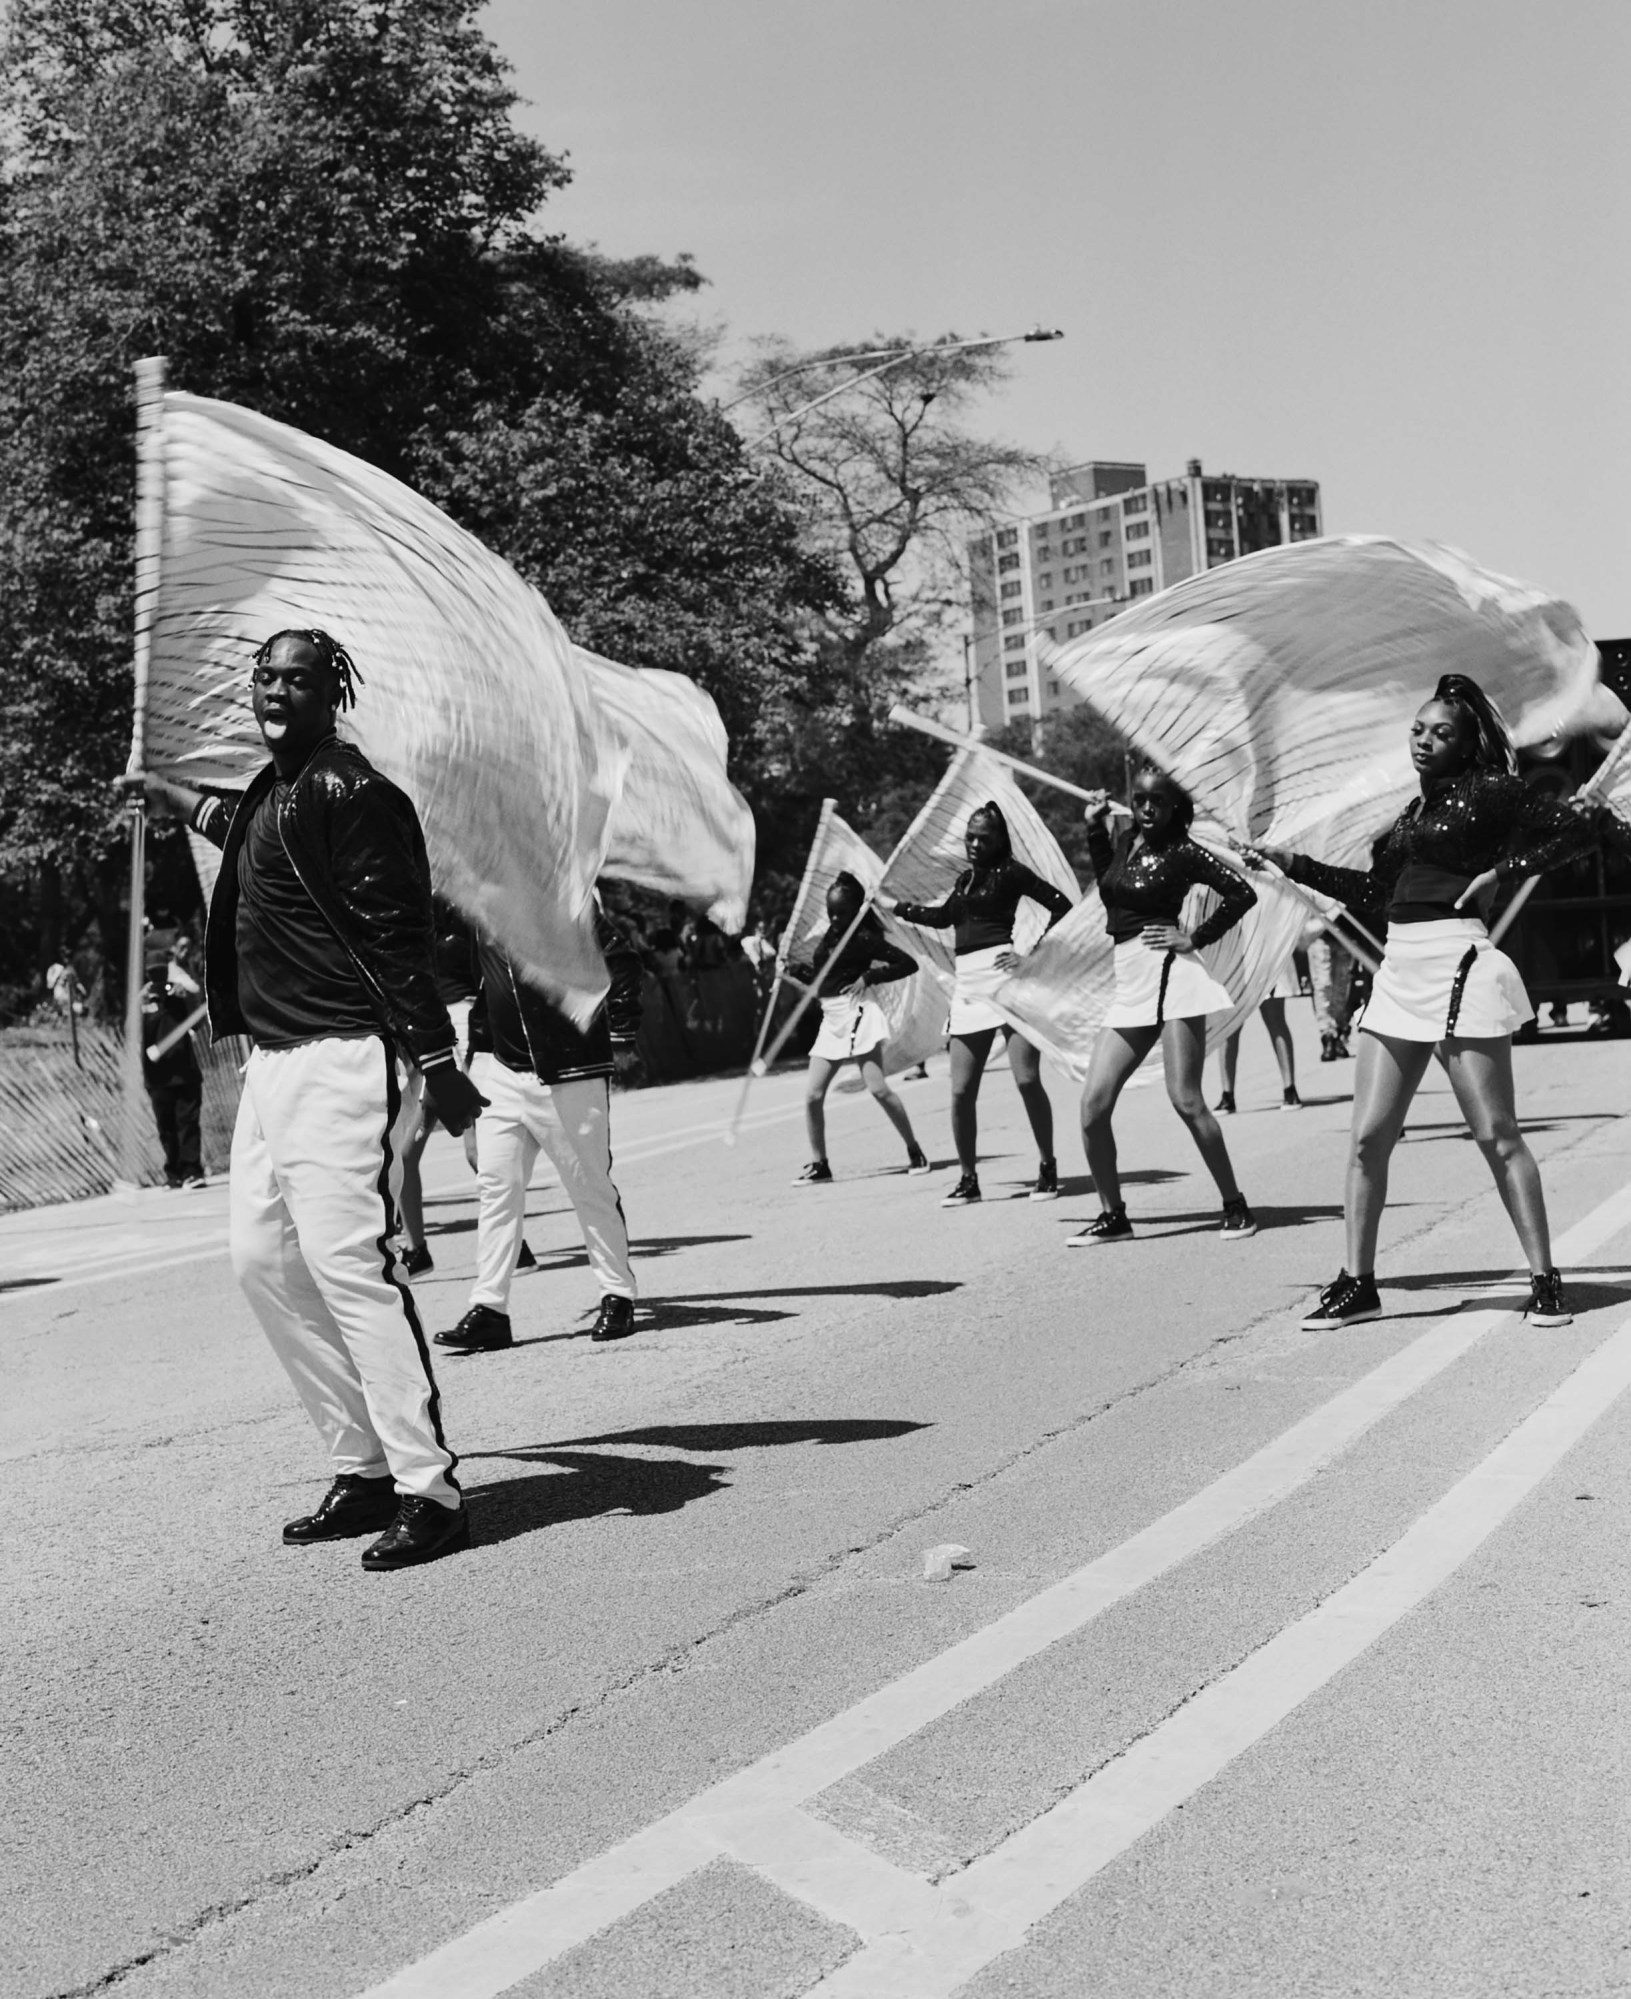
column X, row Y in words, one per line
column 1470, row 823
column 982, row 905
column 1140, row 883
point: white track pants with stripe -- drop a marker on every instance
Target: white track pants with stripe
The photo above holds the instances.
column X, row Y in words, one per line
column 316, row 1166
column 572, row 1122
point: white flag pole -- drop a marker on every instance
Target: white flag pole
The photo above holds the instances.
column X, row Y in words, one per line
column 905, row 718
column 149, row 542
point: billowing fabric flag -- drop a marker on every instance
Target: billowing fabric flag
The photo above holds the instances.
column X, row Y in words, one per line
column 915, row 1008
column 931, row 855
column 470, row 698
column 1279, row 688
column 679, row 826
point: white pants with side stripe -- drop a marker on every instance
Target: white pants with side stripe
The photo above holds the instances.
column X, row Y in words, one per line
column 572, row 1123
column 316, row 1166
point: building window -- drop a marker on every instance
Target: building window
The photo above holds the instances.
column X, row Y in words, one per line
column 1047, row 604
column 1019, row 697
column 1107, row 565
column 1013, row 617
column 1012, row 589
column 1015, row 669
column 1074, row 521
column 1053, row 687
column 1140, row 558
column 1138, row 530
column 1104, row 537
column 1045, row 580
column 1220, row 551
column 1136, row 503
column 1008, row 538
column 1014, row 643
column 1009, row 562
column 1141, row 586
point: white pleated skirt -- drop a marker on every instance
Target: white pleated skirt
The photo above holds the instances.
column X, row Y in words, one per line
column 1157, row 986
column 973, row 997
column 1422, row 992
column 851, row 1026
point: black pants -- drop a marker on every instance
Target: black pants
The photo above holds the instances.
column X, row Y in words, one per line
column 175, row 1111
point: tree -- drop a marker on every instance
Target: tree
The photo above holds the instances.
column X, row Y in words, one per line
column 890, row 481
column 324, row 212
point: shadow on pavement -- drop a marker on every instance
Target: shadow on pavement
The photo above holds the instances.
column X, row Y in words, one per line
column 595, row 1486
column 1205, row 1221
column 719, row 1308
column 759, row 1436
column 652, row 1245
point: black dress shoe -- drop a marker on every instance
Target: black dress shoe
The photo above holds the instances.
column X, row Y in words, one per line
column 417, row 1261
column 422, row 1530
column 352, row 1505
column 615, row 1320
column 481, row 1330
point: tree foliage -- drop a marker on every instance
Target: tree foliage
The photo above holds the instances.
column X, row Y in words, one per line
column 321, row 209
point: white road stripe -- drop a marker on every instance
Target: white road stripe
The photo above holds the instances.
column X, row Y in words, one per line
column 988, row 1908
column 541, row 1927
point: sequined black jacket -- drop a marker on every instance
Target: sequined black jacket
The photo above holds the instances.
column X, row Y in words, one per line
column 355, row 842
column 1473, row 822
column 1147, row 884
column 982, row 903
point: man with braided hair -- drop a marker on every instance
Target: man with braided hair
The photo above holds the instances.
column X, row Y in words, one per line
column 319, row 948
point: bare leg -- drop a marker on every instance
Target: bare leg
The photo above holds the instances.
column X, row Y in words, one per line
column 1229, row 1061
column 1025, row 1059
column 1386, row 1077
column 411, row 1197
column 1480, row 1073
column 878, row 1083
column 1183, row 1055
column 1274, row 1019
column 815, row 1103
column 1116, row 1054
column 968, row 1058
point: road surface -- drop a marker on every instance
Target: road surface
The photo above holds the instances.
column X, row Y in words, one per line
column 1287, row 1663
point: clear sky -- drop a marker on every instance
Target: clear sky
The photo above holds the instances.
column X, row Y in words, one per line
column 1384, row 244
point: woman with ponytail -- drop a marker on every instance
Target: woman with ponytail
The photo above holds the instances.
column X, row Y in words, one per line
column 980, row 911
column 1475, row 828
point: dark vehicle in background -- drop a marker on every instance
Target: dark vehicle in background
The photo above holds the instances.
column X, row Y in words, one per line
column 1564, row 939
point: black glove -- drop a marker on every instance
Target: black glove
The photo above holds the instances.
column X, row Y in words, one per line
column 455, row 1099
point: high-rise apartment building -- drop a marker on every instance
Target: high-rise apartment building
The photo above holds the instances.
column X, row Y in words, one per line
column 1109, row 537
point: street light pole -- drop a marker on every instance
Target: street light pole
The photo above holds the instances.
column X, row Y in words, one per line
column 894, row 360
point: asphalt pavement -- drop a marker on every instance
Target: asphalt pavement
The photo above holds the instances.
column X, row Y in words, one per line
column 1286, row 1663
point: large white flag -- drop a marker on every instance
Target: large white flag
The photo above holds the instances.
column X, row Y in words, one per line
column 1279, row 689
column 679, row 826
column 915, row 1008
column 470, row 700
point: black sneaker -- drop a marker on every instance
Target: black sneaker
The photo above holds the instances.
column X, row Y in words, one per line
column 1226, row 1103
column 1341, row 1051
column 1547, row 1306
column 817, row 1174
column 1291, row 1101
column 1350, row 1301
column 481, row 1330
column 1047, row 1182
column 422, row 1530
column 1111, row 1226
column 1328, row 1048
column 917, row 1161
column 965, row 1193
column 1238, row 1220
column 417, row 1261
